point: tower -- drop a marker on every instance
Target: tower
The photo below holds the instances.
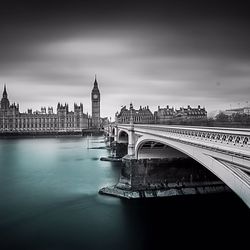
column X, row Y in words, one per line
column 95, row 98
column 5, row 102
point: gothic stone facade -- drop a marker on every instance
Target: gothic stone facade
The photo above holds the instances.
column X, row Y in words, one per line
column 12, row 120
column 95, row 98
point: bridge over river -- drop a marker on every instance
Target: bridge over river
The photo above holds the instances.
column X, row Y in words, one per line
column 223, row 151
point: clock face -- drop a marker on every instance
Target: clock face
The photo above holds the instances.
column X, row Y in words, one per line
column 95, row 96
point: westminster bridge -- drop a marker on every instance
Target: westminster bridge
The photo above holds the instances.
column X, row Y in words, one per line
column 225, row 152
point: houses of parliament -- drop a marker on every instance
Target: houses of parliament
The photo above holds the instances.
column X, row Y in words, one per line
column 48, row 121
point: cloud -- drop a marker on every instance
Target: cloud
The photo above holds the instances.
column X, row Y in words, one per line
column 149, row 58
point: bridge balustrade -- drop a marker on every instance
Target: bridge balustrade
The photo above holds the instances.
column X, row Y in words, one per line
column 234, row 137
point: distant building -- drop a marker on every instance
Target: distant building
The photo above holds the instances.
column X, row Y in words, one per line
column 104, row 121
column 12, row 120
column 163, row 115
column 141, row 115
column 191, row 113
column 240, row 111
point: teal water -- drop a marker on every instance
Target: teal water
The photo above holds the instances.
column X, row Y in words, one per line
column 49, row 200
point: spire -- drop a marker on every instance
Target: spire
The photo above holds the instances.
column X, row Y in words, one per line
column 95, row 83
column 4, row 91
column 131, row 106
column 5, row 104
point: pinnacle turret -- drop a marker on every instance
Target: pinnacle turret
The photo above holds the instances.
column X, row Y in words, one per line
column 95, row 83
column 5, row 102
column 5, row 95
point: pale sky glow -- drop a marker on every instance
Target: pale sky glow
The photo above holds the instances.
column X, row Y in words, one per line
column 80, row 47
column 145, row 54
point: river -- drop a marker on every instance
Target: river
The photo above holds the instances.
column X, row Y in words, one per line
column 49, row 200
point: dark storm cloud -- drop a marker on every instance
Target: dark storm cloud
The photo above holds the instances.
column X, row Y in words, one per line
column 148, row 52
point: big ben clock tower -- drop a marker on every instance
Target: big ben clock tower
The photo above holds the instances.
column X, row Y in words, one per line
column 95, row 98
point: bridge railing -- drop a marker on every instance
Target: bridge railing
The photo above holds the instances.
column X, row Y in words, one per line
column 232, row 136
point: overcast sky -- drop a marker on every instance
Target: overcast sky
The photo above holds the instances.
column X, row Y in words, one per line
column 175, row 53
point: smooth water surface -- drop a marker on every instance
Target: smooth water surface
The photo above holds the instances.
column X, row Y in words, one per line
column 49, row 200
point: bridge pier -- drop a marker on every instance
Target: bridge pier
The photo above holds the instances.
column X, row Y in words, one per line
column 163, row 177
column 116, row 133
column 118, row 150
column 131, row 139
column 115, row 147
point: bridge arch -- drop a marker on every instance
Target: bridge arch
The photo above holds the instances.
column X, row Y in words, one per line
column 223, row 170
column 122, row 136
column 170, row 144
column 148, row 149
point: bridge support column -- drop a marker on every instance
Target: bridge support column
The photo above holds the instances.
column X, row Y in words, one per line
column 131, row 139
column 109, row 136
column 106, row 136
column 116, row 133
column 115, row 142
column 110, row 131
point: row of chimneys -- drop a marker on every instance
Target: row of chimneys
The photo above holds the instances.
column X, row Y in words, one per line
column 146, row 107
column 199, row 107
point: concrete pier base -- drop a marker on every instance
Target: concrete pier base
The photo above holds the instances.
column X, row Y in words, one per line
column 147, row 178
column 119, row 149
column 196, row 188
